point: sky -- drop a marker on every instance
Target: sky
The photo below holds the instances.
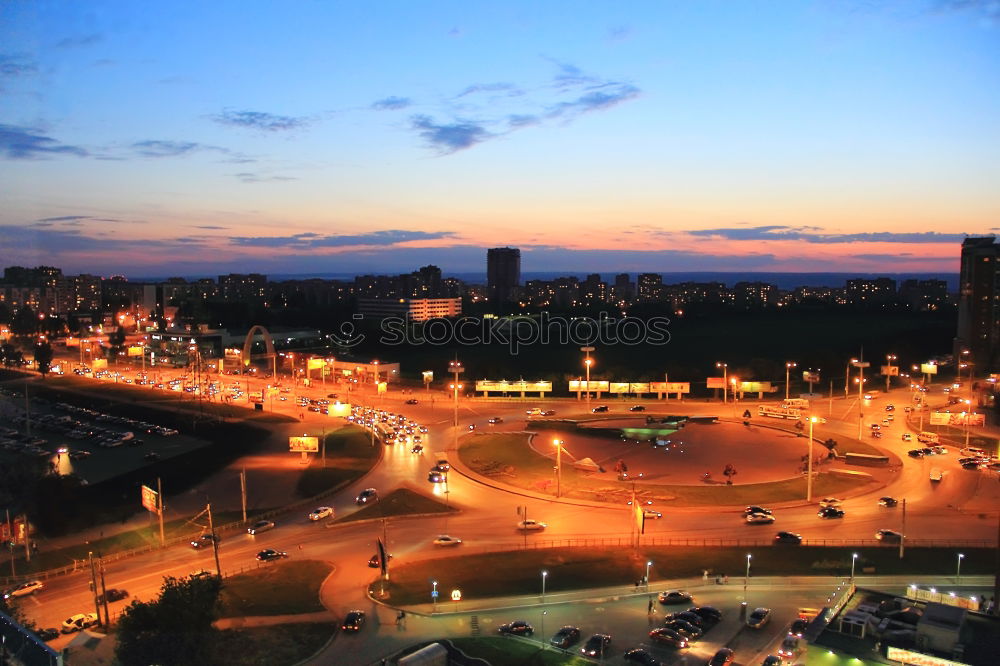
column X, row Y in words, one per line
column 194, row 138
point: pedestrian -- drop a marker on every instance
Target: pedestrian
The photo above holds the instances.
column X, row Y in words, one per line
column 704, row 575
column 726, row 579
column 718, row 579
column 649, row 607
column 637, row 585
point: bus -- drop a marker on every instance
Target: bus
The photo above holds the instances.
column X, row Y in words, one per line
column 795, row 403
column 385, row 432
column 779, row 412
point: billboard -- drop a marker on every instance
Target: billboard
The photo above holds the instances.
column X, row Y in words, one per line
column 958, row 418
column 303, row 444
column 150, row 499
column 890, row 370
column 756, row 387
column 486, row 385
column 383, row 387
column 99, row 364
column 716, row 382
column 670, row 387
column 339, row 409
column 810, row 377
column 577, row 385
column 313, row 363
column 428, row 376
column 617, row 387
column 640, row 387
column 928, row 368
column 135, row 350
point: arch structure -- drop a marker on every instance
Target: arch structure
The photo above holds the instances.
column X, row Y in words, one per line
column 248, row 343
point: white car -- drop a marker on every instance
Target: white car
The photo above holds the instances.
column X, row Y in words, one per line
column 24, row 589
column 830, row 501
column 531, row 525
column 79, row 622
column 651, row 513
column 445, row 540
column 907, row 437
column 759, row 519
column 321, row 513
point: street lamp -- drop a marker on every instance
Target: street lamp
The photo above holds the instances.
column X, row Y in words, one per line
column 746, row 578
column 587, row 362
column 847, row 375
column 558, row 445
column 648, row 564
column 545, row 574
column 788, row 368
column 809, row 463
column 967, row 414
column 854, row 559
column 889, row 359
column 434, row 594
column 958, row 569
column 725, row 379
column 455, row 368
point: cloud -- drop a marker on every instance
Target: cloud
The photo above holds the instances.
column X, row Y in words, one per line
column 596, row 100
column 489, row 88
column 259, row 120
column 313, row 240
column 392, row 103
column 16, row 65
column 210, row 226
column 247, row 177
column 25, row 143
column 450, row 138
column 161, row 148
column 808, row 234
column 619, row 33
column 74, row 42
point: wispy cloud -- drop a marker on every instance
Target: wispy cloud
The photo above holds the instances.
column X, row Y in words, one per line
column 313, row 240
column 450, row 137
column 812, row 235
column 596, row 100
column 247, row 177
column 165, row 148
column 75, row 42
column 25, row 143
column 509, row 88
column 212, row 227
column 392, row 103
column 259, row 120
column 16, row 65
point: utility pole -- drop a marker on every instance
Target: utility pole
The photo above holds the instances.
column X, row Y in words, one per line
column 902, row 536
column 243, row 492
column 159, row 499
column 104, row 594
column 27, row 538
column 27, row 410
column 215, row 541
column 10, row 532
column 93, row 585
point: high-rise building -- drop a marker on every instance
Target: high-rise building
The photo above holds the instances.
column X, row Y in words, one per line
column 649, row 286
column 503, row 274
column 868, row 293
column 238, row 287
column 623, row 290
column 979, row 303
column 924, row 295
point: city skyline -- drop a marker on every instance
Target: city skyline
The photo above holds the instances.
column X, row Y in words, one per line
column 798, row 138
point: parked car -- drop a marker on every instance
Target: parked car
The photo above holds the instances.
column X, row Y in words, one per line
column 759, row 617
column 530, row 525
column 365, row 496
column 684, row 629
column 668, row 636
column 48, row 634
column 789, row 538
column 565, row 637
column 596, row 645
column 321, row 513
column 887, row 501
column 709, row 614
column 411, row 401
column 112, row 594
column 270, row 554
column 641, row 656
column 674, row 597
column 353, row 621
column 907, row 437
column 516, row 628
column 888, row 536
column 724, row 657
column 261, row 526
column 445, row 540
column 79, row 622
column 24, row 589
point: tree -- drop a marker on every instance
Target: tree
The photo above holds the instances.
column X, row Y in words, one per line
column 10, row 356
column 25, row 323
column 43, row 357
column 174, row 629
column 116, row 340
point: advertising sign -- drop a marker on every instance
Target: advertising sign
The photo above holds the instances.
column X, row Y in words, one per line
column 135, row 350
column 890, row 370
column 928, row 368
column 485, row 385
column 810, row 377
column 577, row 385
column 383, row 387
column 958, row 418
column 918, row 658
column 150, row 501
column 313, row 363
column 428, row 376
column 99, row 364
column 756, row 387
column 617, row 387
column 670, row 387
column 641, row 387
column 303, row 444
column 716, row 382
column 339, row 409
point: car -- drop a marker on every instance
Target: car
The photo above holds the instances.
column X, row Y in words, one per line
column 830, row 512
column 759, row 617
column 690, row 631
column 565, row 637
column 939, row 450
column 890, row 407
column 789, row 646
column 411, row 401
column 886, row 421
column 598, row 410
column 887, row 501
column 417, row 448
column 261, row 526
column 798, row 626
column 112, row 594
column 201, row 574
column 907, row 437
column 686, row 616
column 637, row 408
column 888, row 536
column 495, row 419
column 529, row 525
column 435, row 476
column 759, row 519
column 936, row 474
column 640, row 656
column 830, row 501
column 353, row 621
column 789, row 538
column 674, row 597
column 876, row 426
column 270, row 554
column 753, row 508
column 548, row 412
column 24, row 589
column 48, row 634
column 772, row 660
column 365, row 496
column 596, row 645
column 321, row 513
column 724, row 657
column 668, row 636
column 709, row 614
column 445, row 540
column 651, row 513
column 375, row 562
column 516, row 628
column 443, row 465
column 889, row 418
column 79, row 622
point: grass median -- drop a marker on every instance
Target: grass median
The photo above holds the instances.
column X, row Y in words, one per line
column 509, row 651
column 349, row 454
column 515, row 573
column 286, row 587
column 509, row 459
column 400, row 502
column 272, row 645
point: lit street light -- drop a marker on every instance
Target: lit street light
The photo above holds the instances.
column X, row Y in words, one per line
column 587, row 362
column 725, row 379
column 889, row 359
column 558, row 445
column 545, row 574
column 746, row 578
column 455, row 367
column 847, row 375
column 788, row 368
column 648, row 564
column 854, row 559
column 958, row 569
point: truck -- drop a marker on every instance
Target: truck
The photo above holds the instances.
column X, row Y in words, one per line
column 928, row 438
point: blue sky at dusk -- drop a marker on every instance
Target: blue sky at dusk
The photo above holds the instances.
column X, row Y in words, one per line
column 196, row 138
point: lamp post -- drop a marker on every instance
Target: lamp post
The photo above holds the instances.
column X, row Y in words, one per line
column 587, row 362
column 788, row 368
column 861, row 365
column 545, row 574
column 725, row 379
column 889, row 359
column 966, row 415
column 455, row 368
column 854, row 559
column 434, row 594
column 809, row 463
column 558, row 445
column 958, row 569
column 648, row 564
column 746, row 578
column 847, row 375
